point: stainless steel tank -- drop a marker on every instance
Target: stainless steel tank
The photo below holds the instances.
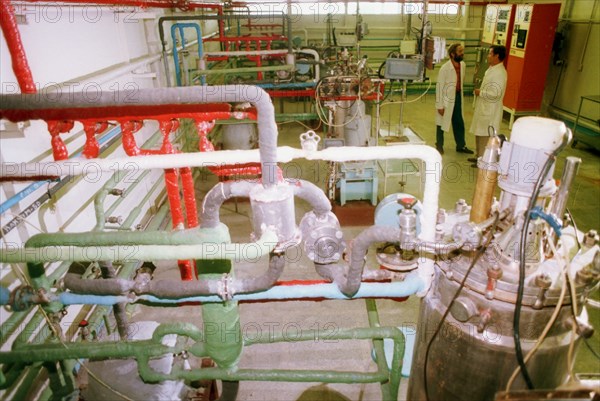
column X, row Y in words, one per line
column 473, row 356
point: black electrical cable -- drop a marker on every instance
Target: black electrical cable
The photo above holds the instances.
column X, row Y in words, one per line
column 574, row 227
column 521, row 287
column 593, row 351
column 478, row 255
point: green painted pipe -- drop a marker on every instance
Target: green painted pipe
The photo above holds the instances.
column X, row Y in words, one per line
column 28, row 330
column 114, row 180
column 381, row 376
column 27, row 383
column 222, row 333
column 181, row 237
column 52, row 352
column 101, row 196
column 9, row 326
column 296, row 117
column 207, row 250
column 11, row 375
column 392, row 387
column 202, row 243
column 135, row 212
column 144, row 350
column 96, row 319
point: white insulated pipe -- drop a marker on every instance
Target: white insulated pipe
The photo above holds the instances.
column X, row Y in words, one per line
column 430, row 157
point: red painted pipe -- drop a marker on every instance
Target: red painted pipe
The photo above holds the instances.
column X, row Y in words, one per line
column 189, row 197
column 20, row 66
column 186, row 268
column 128, row 128
column 126, row 113
column 59, row 150
column 91, row 148
column 172, row 185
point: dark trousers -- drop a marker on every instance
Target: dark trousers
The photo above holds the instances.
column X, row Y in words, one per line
column 458, row 126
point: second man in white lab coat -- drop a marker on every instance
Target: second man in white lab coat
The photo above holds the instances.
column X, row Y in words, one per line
column 488, row 106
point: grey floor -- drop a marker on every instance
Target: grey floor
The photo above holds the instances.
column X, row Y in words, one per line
column 259, row 319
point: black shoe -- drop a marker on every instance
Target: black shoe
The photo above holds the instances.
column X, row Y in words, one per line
column 474, row 165
column 465, row 150
column 440, row 149
column 472, row 159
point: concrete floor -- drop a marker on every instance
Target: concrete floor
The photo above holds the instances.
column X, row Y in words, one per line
column 289, row 317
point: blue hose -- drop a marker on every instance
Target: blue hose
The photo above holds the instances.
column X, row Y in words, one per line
column 18, row 197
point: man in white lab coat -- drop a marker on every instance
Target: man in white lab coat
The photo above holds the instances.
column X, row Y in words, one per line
column 449, row 100
column 488, row 106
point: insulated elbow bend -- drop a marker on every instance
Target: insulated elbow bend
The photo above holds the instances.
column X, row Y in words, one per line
column 360, row 246
column 313, row 195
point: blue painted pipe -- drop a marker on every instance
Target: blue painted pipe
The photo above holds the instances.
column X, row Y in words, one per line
column 180, row 26
column 68, row 298
column 13, row 200
column 4, row 295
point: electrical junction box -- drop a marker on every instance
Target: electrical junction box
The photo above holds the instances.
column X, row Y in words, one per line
column 407, row 69
column 345, row 38
column 408, row 47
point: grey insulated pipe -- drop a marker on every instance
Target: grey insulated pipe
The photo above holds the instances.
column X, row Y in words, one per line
column 225, row 190
column 40, row 106
column 349, row 283
column 217, row 195
column 176, row 288
column 312, row 194
column 108, row 271
column 265, row 281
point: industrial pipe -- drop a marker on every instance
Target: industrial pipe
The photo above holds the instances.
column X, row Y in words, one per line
column 218, row 195
column 312, row 194
column 198, row 30
column 350, row 282
column 144, row 350
column 91, row 253
column 316, row 56
column 20, row 66
column 225, row 287
column 225, row 190
column 285, row 17
column 26, row 107
column 412, row 284
column 108, row 272
column 252, row 52
column 106, row 141
column 241, row 70
column 428, row 154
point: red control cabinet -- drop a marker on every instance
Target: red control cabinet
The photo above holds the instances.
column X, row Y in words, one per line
column 529, row 56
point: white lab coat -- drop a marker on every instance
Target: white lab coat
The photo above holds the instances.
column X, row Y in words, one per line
column 445, row 93
column 488, row 106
